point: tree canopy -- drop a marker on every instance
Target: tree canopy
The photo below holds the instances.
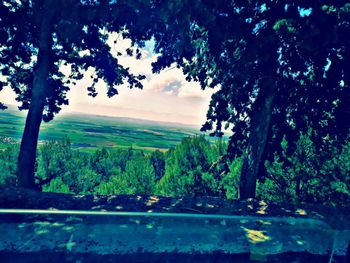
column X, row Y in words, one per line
column 279, row 67
column 38, row 37
column 77, row 34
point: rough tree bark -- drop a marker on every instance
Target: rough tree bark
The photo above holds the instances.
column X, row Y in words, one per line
column 260, row 124
column 27, row 154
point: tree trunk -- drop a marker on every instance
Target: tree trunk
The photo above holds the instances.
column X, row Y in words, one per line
column 260, row 124
column 27, row 153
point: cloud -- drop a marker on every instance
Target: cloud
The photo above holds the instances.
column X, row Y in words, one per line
column 172, row 87
column 166, row 96
column 170, row 81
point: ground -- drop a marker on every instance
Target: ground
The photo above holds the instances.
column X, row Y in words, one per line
column 10, row 197
column 172, row 228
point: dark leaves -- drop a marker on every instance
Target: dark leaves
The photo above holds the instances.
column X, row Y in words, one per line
column 2, row 106
column 79, row 32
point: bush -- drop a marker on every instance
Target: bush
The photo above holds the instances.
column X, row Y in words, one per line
column 56, row 185
column 117, row 184
column 188, row 169
column 230, row 181
column 308, row 175
column 138, row 178
column 53, row 160
column 139, row 174
column 8, row 164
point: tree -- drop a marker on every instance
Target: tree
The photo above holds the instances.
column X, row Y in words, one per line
column 54, row 160
column 37, row 37
column 86, row 181
column 188, row 169
column 138, row 178
column 139, row 175
column 230, row 180
column 157, row 159
column 281, row 67
column 115, row 185
column 8, row 165
column 223, row 48
column 56, row 186
column 102, row 163
column 308, row 175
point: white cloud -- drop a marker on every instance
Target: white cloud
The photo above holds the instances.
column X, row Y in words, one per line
column 157, row 82
column 191, row 89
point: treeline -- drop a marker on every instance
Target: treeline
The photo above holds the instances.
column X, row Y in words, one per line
column 194, row 167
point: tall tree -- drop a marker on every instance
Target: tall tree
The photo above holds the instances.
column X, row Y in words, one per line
column 37, row 37
column 280, row 66
column 187, row 168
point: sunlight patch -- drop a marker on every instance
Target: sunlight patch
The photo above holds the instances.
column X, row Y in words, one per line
column 256, row 236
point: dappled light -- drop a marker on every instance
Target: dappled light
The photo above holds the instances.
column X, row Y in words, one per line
column 301, row 212
column 107, row 233
column 263, row 207
column 152, row 200
column 256, row 236
column 265, row 222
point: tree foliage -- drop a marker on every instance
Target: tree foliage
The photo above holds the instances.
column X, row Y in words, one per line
column 8, row 158
column 78, row 34
column 39, row 37
column 280, row 67
column 187, row 167
column 308, row 175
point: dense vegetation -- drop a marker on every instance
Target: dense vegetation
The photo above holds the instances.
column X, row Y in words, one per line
column 191, row 168
column 282, row 68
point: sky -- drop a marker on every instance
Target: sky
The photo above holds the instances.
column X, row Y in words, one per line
column 166, row 96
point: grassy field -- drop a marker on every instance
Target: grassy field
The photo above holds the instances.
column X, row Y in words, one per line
column 88, row 132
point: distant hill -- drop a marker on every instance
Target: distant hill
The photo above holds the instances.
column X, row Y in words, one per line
column 130, row 120
column 90, row 131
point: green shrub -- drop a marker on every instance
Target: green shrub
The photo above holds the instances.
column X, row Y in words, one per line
column 230, row 181
column 8, row 164
column 117, row 184
column 138, row 178
column 308, row 175
column 187, row 169
column 57, row 186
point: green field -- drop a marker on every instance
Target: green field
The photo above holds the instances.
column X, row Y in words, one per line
column 88, row 132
